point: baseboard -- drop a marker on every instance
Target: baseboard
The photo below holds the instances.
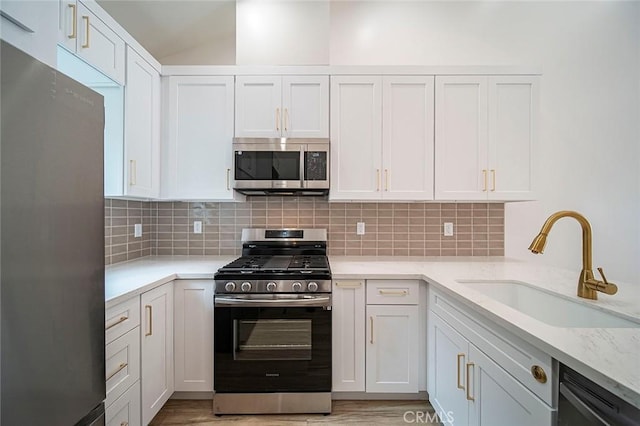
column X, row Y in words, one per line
column 192, row 395
column 420, row 396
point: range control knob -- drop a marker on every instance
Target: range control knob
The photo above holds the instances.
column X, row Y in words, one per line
column 296, row 286
column 312, row 286
column 230, row 286
column 246, row 286
column 271, row 286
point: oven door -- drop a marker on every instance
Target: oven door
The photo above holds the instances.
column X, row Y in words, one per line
column 268, row 165
column 272, row 343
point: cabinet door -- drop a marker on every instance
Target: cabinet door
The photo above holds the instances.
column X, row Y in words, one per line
column 513, row 102
column 392, row 348
column 356, row 138
column 447, row 384
column 193, row 335
column 407, row 140
column 197, row 149
column 157, row 349
column 125, row 411
column 97, row 44
column 305, row 106
column 142, row 128
column 461, row 138
column 348, row 340
column 258, row 106
column 498, row 399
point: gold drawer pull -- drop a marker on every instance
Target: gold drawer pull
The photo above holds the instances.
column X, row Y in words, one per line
column 469, row 397
column 86, row 44
column 493, row 179
column 460, row 356
column 121, row 367
column 393, row 292
column 539, row 374
column 124, row 424
column 121, row 320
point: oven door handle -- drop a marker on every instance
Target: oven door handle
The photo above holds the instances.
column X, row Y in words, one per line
column 316, row 301
column 580, row 405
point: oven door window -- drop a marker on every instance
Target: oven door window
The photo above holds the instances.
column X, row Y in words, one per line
column 272, row 340
column 267, row 165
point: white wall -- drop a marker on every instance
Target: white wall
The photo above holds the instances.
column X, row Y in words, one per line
column 590, row 103
column 282, row 32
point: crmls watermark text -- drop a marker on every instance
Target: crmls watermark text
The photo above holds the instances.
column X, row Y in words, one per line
column 427, row 417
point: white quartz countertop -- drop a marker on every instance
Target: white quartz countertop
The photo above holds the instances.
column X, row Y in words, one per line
column 609, row 356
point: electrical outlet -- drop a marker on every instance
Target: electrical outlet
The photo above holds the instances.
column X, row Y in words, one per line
column 137, row 230
column 197, row 227
column 448, row 229
column 360, row 228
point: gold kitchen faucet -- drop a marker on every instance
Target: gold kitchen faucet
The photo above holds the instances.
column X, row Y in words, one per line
column 588, row 286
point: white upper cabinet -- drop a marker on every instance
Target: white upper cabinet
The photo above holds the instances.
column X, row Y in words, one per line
column 83, row 33
column 485, row 137
column 382, row 138
column 407, row 137
column 356, row 137
column 197, row 138
column 141, row 128
column 282, row 106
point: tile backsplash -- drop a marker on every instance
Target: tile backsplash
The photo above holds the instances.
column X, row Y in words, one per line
column 391, row 229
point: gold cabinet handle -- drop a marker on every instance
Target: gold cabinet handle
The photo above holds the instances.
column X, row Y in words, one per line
column 277, row 119
column 378, row 180
column 539, row 374
column 286, row 119
column 469, row 397
column 121, row 367
column 149, row 308
column 124, row 424
column 386, row 179
column 371, row 322
column 460, row 356
column 74, row 24
column 484, row 178
column 393, row 292
column 121, row 320
column 493, row 179
column 228, row 179
column 349, row 285
column 133, row 172
column 86, row 25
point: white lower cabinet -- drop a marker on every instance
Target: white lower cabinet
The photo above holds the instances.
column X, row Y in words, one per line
column 125, row 411
column 392, row 348
column 348, row 336
column 375, row 348
column 193, row 335
column 122, row 364
column 467, row 387
column 157, row 349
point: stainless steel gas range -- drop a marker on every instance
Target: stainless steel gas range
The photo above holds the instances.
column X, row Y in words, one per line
column 273, row 325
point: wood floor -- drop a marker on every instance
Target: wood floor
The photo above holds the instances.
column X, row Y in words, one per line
column 378, row 413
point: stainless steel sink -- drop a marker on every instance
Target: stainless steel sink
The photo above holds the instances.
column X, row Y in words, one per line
column 551, row 308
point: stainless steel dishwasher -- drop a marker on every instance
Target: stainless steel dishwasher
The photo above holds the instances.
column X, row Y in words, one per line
column 582, row 402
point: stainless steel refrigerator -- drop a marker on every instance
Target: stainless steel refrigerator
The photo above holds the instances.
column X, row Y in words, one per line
column 52, row 337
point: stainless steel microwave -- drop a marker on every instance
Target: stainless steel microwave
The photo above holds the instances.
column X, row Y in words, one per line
column 286, row 166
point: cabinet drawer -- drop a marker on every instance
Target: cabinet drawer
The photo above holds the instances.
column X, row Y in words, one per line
column 125, row 411
column 122, row 364
column 383, row 292
column 512, row 353
column 122, row 318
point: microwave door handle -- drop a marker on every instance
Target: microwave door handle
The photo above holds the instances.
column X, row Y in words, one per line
column 303, row 166
column 581, row 407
